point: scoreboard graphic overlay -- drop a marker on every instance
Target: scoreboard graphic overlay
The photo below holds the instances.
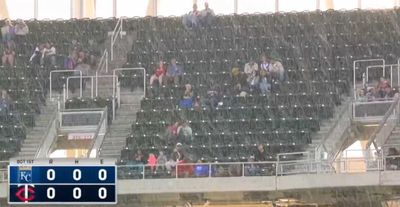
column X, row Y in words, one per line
column 62, row 181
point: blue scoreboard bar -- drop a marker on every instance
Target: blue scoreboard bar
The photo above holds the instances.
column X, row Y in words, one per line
column 62, row 181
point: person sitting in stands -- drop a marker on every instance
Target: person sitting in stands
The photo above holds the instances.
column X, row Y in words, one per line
column 21, row 30
column 265, row 66
column 185, row 132
column 253, row 80
column 206, row 15
column 152, row 162
column 37, row 54
column 8, row 33
column 187, row 100
column 213, row 99
column 139, row 157
column 278, row 72
column 261, row 154
column 383, row 88
column 171, row 133
column 8, row 57
column 4, row 102
column 161, row 160
column 191, row 20
column 250, row 67
column 265, row 86
column 239, row 80
column 393, row 159
column 201, row 170
column 158, row 74
column 49, row 55
column 174, row 72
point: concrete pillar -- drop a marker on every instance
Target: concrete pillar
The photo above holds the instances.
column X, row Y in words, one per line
column 3, row 10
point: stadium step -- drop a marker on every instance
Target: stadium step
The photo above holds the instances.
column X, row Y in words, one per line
column 115, row 139
column 36, row 134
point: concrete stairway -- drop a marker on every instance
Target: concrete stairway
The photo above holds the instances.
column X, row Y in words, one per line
column 340, row 113
column 36, row 134
column 115, row 139
column 394, row 138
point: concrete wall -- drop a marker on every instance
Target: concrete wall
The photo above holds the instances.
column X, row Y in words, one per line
column 240, row 184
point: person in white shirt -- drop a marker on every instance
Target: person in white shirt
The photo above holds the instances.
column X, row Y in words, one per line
column 250, row 67
column 49, row 54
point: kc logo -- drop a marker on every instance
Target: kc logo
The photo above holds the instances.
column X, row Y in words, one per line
column 25, row 192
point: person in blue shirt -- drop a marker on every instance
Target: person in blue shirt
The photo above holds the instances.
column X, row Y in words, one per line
column 174, row 72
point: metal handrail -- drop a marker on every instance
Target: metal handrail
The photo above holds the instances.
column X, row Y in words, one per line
column 354, row 71
column 388, row 113
column 102, row 119
column 322, row 143
column 80, row 87
column 132, row 69
column 117, row 31
column 383, row 71
column 49, row 124
column 103, row 63
column 63, row 71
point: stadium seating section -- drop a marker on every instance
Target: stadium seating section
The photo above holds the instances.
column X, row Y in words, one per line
column 317, row 50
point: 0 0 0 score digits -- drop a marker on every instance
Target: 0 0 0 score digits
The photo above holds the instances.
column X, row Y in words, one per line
column 76, row 192
column 76, row 174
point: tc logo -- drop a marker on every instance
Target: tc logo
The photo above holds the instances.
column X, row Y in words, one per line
column 25, row 193
column 25, row 176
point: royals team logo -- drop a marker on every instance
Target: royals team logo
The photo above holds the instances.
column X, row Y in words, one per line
column 25, row 174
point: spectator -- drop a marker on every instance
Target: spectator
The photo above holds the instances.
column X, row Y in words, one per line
column 206, row 15
column 170, row 165
column 251, row 169
column 71, row 61
column 161, row 160
column 214, row 98
column 187, row 100
column 139, row 157
column 185, row 132
column 261, row 154
column 382, row 88
column 265, row 86
column 265, row 66
column 239, row 80
column 49, row 55
column 201, row 170
column 392, row 161
column 21, row 30
column 8, row 57
column 174, row 72
column 253, row 80
column 171, row 133
column 8, row 33
column 4, row 102
column 197, row 104
column 191, row 20
column 36, row 56
column 277, row 70
column 250, row 67
column 152, row 162
column 158, row 74
column 362, row 96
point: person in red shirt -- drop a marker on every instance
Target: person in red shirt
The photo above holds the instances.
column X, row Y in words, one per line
column 158, row 73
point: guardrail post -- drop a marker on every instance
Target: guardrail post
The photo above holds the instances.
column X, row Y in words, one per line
column 64, row 94
column 143, row 171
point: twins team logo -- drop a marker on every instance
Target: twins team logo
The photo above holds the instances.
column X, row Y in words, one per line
column 25, row 193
